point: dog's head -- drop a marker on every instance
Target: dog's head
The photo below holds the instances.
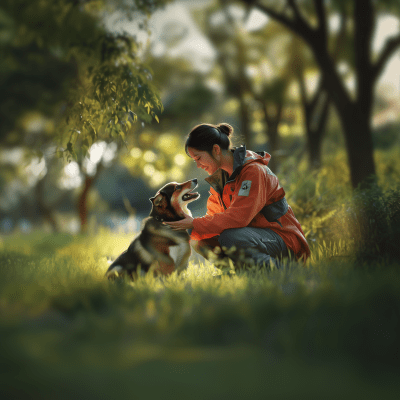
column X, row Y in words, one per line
column 170, row 202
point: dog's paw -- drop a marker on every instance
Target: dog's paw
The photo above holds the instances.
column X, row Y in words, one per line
column 114, row 272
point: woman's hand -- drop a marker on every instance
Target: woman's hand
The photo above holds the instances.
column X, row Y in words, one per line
column 186, row 223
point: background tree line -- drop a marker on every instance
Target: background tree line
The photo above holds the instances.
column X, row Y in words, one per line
column 90, row 93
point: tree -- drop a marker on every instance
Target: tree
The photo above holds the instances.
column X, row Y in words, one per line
column 256, row 71
column 273, row 99
column 315, row 105
column 59, row 61
column 71, row 83
column 229, row 41
column 354, row 111
column 271, row 83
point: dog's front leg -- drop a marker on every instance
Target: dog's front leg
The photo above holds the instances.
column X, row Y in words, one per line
column 180, row 255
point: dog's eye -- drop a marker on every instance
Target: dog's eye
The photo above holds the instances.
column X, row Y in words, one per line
column 178, row 187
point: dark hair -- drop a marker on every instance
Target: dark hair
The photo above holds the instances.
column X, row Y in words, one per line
column 203, row 137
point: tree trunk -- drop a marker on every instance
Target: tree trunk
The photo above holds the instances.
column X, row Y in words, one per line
column 359, row 147
column 44, row 209
column 272, row 122
column 355, row 120
column 82, row 203
column 244, row 121
column 82, row 200
column 316, row 119
column 273, row 137
column 354, row 115
column 314, row 149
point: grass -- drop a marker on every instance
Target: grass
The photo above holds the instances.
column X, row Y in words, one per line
column 325, row 330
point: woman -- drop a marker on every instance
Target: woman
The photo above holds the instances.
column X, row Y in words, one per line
column 247, row 206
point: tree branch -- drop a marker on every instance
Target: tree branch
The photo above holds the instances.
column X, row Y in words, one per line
column 363, row 26
column 273, row 14
column 319, row 110
column 303, row 91
column 319, row 91
column 292, row 4
column 333, row 82
column 299, row 72
column 324, row 113
column 322, row 27
column 301, row 23
column 391, row 45
column 297, row 25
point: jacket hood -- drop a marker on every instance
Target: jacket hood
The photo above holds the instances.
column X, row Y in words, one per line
column 241, row 158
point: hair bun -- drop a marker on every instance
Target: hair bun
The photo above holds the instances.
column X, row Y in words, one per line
column 225, row 128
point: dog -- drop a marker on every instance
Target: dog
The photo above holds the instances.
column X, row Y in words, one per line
column 158, row 248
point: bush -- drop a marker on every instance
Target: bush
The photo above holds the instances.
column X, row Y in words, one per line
column 372, row 217
column 386, row 136
column 316, row 196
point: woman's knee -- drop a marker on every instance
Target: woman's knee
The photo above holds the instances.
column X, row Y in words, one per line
column 229, row 237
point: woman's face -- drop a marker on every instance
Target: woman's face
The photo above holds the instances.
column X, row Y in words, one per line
column 203, row 160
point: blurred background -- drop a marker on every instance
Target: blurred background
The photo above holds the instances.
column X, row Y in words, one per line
column 99, row 95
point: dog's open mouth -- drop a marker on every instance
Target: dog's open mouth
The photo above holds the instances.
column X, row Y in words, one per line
column 190, row 196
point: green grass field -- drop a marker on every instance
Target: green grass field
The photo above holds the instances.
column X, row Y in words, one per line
column 328, row 330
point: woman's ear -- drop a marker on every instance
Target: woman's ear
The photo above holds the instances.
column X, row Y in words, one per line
column 216, row 150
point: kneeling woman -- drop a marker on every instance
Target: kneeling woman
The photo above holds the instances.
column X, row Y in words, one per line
column 247, row 206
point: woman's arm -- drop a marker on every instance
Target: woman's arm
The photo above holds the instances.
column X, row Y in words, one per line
column 186, row 223
column 244, row 207
column 213, row 207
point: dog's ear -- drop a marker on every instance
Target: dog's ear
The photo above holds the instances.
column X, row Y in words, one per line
column 157, row 200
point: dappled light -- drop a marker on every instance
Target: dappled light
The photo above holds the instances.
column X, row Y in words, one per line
column 180, row 160
column 71, row 177
column 96, row 151
column 36, row 170
column 149, row 156
column 136, row 152
column 35, row 123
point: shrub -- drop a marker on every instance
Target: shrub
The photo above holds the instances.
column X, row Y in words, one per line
column 372, row 217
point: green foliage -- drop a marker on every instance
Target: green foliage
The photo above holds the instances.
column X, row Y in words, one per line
column 373, row 218
column 35, row 62
column 363, row 223
column 59, row 61
column 388, row 166
column 367, row 221
column 386, row 136
column 317, row 196
column 118, row 91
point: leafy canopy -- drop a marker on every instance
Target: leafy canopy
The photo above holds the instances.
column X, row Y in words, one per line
column 57, row 59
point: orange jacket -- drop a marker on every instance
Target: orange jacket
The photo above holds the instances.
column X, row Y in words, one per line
column 251, row 196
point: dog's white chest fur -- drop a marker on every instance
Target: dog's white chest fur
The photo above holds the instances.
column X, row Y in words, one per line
column 180, row 254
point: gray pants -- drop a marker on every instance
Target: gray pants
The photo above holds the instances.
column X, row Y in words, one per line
column 260, row 244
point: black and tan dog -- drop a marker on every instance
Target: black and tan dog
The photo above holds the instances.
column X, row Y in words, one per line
column 158, row 247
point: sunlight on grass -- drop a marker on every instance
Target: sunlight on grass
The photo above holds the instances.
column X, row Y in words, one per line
column 336, row 315
column 59, row 313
